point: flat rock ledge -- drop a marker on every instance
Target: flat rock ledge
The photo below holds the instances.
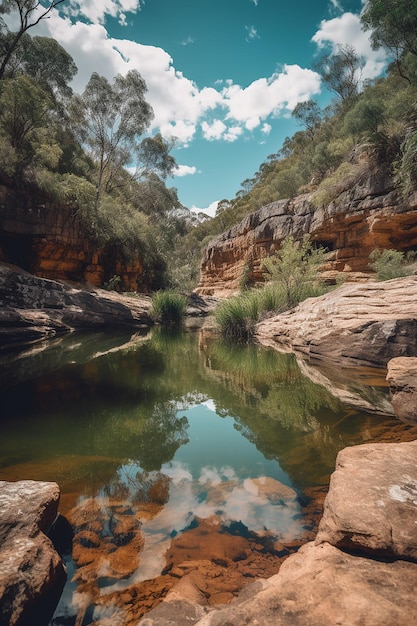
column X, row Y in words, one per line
column 33, row 308
column 360, row 570
column 356, row 324
column 402, row 379
column 32, row 574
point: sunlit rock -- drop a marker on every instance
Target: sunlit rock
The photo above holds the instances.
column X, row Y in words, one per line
column 360, row 324
column 402, row 379
column 372, row 501
column 32, row 574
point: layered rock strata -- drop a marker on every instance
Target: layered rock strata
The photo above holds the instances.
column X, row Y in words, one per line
column 32, row 574
column 362, row 567
column 356, row 324
column 50, row 241
column 366, row 214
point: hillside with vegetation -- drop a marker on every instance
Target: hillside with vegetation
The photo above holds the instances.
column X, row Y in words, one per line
column 92, row 152
column 375, row 120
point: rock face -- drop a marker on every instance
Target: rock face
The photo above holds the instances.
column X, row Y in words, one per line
column 367, row 214
column 50, row 242
column 31, row 571
column 402, row 379
column 370, row 512
column 363, row 324
column 34, row 308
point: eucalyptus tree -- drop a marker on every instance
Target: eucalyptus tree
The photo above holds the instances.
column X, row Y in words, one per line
column 109, row 120
column 30, row 13
column 393, row 25
column 341, row 72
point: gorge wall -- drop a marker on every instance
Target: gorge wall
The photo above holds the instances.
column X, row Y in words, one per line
column 365, row 213
column 49, row 241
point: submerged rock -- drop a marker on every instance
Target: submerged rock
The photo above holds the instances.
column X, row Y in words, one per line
column 32, row 574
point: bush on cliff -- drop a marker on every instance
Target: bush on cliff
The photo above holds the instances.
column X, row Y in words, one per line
column 391, row 264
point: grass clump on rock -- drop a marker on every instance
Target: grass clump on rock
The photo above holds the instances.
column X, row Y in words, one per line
column 292, row 276
column 237, row 316
column 168, row 308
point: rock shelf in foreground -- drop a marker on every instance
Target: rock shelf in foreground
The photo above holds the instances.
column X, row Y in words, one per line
column 370, row 511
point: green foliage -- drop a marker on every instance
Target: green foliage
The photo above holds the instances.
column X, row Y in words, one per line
column 237, row 316
column 294, row 268
column 113, row 283
column 293, row 277
column 407, row 164
column 168, row 308
column 391, row 264
column 332, row 186
column 392, row 25
column 24, row 110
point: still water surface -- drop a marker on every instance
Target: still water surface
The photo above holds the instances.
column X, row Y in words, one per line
column 176, row 427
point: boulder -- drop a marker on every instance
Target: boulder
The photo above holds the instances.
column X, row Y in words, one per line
column 32, row 574
column 357, row 324
column 402, row 379
column 371, row 506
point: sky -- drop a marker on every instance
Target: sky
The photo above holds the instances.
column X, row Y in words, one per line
column 222, row 75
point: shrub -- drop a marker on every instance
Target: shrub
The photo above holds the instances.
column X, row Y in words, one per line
column 390, row 264
column 168, row 308
column 294, row 270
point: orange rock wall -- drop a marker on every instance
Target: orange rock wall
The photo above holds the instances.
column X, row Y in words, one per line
column 49, row 242
column 366, row 216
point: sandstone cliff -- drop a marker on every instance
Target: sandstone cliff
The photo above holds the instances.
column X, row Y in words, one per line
column 367, row 213
column 50, row 241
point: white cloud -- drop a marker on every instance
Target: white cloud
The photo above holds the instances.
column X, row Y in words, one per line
column 179, row 105
column 266, row 129
column 213, row 130
column 210, row 210
column 252, row 33
column 265, row 96
column 233, row 133
column 346, row 30
column 96, row 11
column 185, row 170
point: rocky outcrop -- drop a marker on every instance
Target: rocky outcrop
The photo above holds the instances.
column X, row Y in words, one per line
column 32, row 574
column 358, row 324
column 34, row 308
column 367, row 214
column 362, row 567
column 51, row 241
column 402, row 379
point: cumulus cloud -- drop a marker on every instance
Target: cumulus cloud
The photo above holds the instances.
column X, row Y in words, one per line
column 346, row 30
column 185, row 170
column 266, row 96
column 224, row 112
column 213, row 130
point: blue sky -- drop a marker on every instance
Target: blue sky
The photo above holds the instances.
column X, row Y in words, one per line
column 223, row 75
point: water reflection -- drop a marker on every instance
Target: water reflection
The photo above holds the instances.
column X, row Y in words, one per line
column 170, row 447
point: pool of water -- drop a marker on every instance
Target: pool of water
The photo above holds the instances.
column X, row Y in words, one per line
column 165, row 436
